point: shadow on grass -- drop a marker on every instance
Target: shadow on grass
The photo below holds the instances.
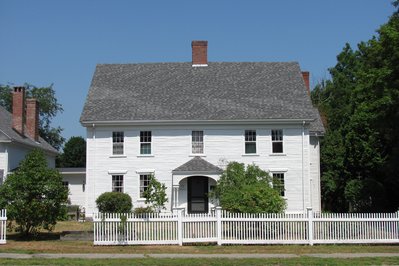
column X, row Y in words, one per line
column 42, row 236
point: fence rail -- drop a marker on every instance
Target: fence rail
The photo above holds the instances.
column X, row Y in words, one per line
column 3, row 226
column 243, row 228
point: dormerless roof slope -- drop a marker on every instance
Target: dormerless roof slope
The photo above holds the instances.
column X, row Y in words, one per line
column 12, row 135
column 217, row 92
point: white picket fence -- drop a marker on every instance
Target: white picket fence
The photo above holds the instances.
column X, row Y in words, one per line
column 242, row 228
column 3, row 226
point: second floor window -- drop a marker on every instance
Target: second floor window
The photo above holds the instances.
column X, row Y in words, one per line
column 145, row 142
column 277, row 141
column 117, row 142
column 250, row 141
column 197, row 142
column 117, row 183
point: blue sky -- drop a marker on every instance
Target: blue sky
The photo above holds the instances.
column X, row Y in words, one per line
column 60, row 42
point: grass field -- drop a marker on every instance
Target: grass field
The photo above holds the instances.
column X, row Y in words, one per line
column 204, row 262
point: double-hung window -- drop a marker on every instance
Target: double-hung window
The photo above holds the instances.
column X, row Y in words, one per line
column 117, row 183
column 250, row 141
column 117, row 142
column 145, row 142
column 277, row 141
column 144, row 181
column 197, row 142
column 278, row 183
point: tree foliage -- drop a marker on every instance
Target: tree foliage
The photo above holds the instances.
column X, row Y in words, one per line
column 49, row 108
column 74, row 153
column 114, row 202
column 247, row 190
column 360, row 151
column 155, row 194
column 34, row 195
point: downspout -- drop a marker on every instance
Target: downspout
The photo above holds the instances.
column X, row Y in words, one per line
column 303, row 168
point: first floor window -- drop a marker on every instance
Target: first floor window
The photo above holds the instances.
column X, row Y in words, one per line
column 197, row 142
column 278, row 183
column 250, row 141
column 145, row 142
column 277, row 141
column 117, row 142
column 65, row 184
column 144, row 180
column 117, row 183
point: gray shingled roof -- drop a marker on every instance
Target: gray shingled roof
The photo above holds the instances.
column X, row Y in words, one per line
column 198, row 165
column 6, row 128
column 178, row 91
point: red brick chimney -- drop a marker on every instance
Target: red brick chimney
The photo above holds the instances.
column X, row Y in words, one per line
column 18, row 109
column 305, row 75
column 200, row 53
column 32, row 118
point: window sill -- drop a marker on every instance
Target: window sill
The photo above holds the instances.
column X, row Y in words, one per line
column 145, row 155
column 250, row 154
column 118, row 156
column 197, row 154
column 141, row 199
column 278, row 154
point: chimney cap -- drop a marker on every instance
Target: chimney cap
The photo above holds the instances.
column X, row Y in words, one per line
column 199, row 43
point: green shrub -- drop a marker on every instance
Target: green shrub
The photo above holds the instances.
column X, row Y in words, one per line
column 142, row 210
column 114, row 202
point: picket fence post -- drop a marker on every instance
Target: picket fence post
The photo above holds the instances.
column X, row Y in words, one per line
column 180, row 227
column 219, row 224
column 310, row 225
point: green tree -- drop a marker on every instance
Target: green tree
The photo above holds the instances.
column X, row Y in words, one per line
column 74, row 153
column 155, row 194
column 360, row 150
column 34, row 195
column 247, row 190
column 49, row 108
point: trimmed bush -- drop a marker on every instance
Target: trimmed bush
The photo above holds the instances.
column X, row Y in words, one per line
column 114, row 202
column 143, row 210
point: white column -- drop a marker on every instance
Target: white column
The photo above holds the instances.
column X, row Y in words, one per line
column 175, row 196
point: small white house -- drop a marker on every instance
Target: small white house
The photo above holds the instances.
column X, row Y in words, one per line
column 183, row 122
column 19, row 133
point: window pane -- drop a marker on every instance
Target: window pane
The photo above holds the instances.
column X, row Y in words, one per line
column 250, row 135
column 197, row 144
column 277, row 135
column 278, row 183
column 145, row 148
column 117, row 183
column 277, row 147
column 117, row 142
column 250, row 147
column 145, row 136
column 144, row 180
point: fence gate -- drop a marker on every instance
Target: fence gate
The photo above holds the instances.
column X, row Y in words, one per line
column 3, row 226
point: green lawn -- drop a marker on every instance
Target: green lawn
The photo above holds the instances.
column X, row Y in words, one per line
column 203, row 262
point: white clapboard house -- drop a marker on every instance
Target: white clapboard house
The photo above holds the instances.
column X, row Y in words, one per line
column 19, row 133
column 183, row 122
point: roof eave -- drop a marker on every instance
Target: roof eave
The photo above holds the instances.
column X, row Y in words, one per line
column 91, row 123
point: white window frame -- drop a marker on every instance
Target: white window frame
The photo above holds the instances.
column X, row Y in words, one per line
column 277, row 141
column 250, row 141
column 120, row 187
column 278, row 175
column 145, row 142
column 197, row 141
column 118, row 141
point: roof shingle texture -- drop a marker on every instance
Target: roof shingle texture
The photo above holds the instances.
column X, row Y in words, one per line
column 197, row 164
column 6, row 128
column 178, row 91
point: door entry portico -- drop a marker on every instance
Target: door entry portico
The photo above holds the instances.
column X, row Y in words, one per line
column 197, row 194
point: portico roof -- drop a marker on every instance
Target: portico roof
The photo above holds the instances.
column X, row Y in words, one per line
column 197, row 165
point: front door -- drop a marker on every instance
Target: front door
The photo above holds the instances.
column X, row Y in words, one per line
column 197, row 194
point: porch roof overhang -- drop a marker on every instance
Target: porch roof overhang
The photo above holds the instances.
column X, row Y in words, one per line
column 197, row 166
